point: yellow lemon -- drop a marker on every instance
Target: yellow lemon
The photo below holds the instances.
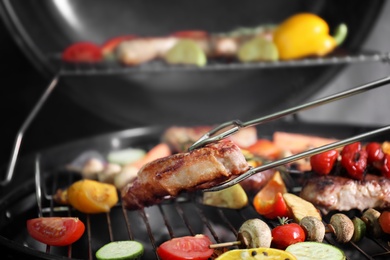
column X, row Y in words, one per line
column 257, row 254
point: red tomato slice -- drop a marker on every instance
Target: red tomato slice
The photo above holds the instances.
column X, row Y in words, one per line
column 82, row 52
column 109, row 46
column 55, row 231
column 188, row 247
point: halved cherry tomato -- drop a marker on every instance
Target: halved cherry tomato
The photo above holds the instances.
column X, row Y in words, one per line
column 384, row 221
column 191, row 34
column 82, row 52
column 269, row 201
column 109, row 46
column 89, row 196
column 265, row 148
column 323, row 163
column 287, row 234
column 374, row 152
column 186, row 248
column 56, row 231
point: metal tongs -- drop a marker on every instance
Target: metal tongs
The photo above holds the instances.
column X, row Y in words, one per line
column 231, row 127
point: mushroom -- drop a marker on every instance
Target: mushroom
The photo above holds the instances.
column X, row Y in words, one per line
column 91, row 168
column 370, row 217
column 342, row 227
column 314, row 228
column 254, row 233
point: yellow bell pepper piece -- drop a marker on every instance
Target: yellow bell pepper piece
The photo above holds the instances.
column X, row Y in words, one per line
column 89, row 196
column 302, row 35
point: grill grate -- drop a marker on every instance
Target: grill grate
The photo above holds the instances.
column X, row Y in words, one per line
column 114, row 68
column 182, row 216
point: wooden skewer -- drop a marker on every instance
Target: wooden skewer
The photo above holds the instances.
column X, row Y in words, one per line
column 226, row 244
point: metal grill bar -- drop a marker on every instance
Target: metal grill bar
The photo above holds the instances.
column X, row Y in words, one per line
column 179, row 206
column 112, row 68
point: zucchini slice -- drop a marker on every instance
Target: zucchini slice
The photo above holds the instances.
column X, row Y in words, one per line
column 315, row 250
column 120, row 250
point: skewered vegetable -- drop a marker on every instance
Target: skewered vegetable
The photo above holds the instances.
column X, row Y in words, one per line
column 359, row 228
column 254, row 233
column 287, row 234
column 371, row 218
column 233, row 197
column 314, row 228
column 384, row 221
column 342, row 227
column 315, row 250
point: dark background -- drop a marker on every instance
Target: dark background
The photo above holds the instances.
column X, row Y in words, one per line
column 21, row 87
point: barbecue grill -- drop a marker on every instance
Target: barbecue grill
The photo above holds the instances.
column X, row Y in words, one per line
column 185, row 215
column 159, row 86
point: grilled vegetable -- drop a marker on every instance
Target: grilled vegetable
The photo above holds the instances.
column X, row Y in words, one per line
column 359, row 228
column 371, row 218
column 188, row 247
column 120, row 250
column 323, row 163
column 269, row 201
column 254, row 233
column 256, row 253
column 89, row 196
column 384, row 221
column 55, row 231
column 315, row 250
column 125, row 156
column 265, row 149
column 233, row 197
column 300, row 208
column 355, row 163
column 306, row 34
column 287, row 234
column 314, row 228
column 82, row 52
column 186, row 51
column 109, row 47
column 258, row 49
column 342, row 227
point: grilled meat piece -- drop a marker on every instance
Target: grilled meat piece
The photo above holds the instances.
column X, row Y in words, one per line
column 202, row 168
column 329, row 193
column 181, row 138
column 256, row 182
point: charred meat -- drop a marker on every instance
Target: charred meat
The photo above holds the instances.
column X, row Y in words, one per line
column 201, row 168
column 338, row 193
